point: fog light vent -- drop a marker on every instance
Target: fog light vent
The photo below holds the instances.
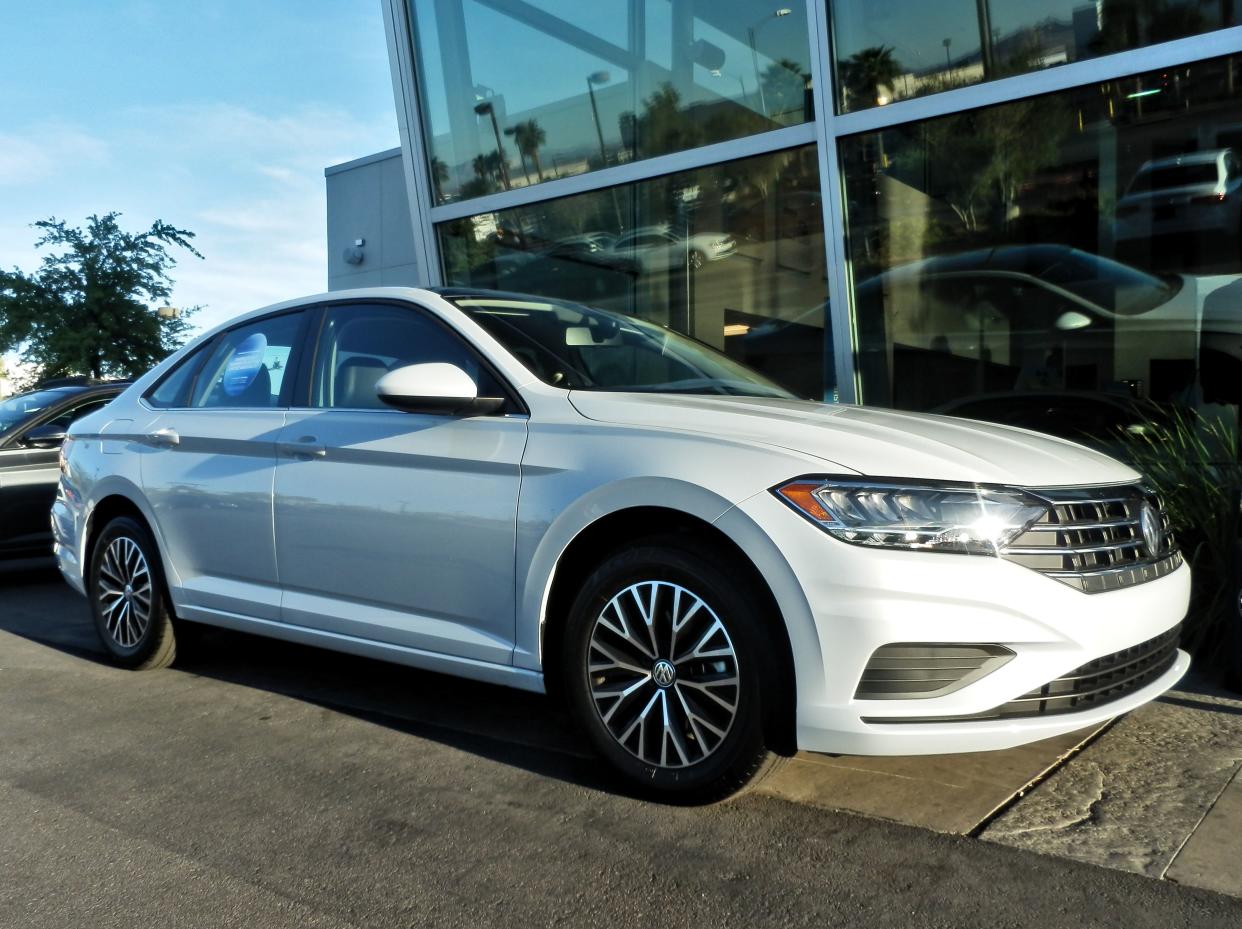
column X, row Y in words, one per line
column 912, row 671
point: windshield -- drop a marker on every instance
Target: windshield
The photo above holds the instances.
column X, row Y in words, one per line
column 20, row 408
column 1110, row 284
column 581, row 348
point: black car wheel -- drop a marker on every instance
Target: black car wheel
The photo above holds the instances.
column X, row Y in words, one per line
column 665, row 663
column 128, row 597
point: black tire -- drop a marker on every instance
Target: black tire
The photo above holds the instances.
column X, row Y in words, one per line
column 697, row 259
column 133, row 637
column 700, row 767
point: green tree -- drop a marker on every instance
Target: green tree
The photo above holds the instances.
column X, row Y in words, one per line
column 90, row 307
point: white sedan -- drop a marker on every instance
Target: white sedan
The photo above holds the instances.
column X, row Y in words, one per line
column 534, row 493
column 658, row 248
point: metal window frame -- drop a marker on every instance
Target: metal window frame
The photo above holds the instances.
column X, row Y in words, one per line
column 826, row 131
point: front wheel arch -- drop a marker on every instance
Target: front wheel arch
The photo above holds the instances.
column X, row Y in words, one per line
column 629, row 527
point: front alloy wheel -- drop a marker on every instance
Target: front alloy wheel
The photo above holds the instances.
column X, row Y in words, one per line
column 663, row 674
column 665, row 659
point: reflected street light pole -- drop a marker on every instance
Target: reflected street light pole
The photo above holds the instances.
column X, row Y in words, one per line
column 598, row 77
column 485, row 107
column 754, row 54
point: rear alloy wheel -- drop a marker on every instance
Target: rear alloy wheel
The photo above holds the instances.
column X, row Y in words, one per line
column 665, row 664
column 128, row 598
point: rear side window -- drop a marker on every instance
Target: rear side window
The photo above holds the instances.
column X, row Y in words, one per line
column 248, row 366
column 174, row 389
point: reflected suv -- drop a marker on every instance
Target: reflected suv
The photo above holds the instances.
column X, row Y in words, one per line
column 1199, row 192
column 709, row 571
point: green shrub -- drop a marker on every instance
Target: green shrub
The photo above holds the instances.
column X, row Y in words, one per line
column 1192, row 463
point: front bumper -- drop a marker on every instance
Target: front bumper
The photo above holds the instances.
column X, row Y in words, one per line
column 842, row 602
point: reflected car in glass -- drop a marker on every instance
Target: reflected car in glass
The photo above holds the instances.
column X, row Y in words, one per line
column 657, row 248
column 712, row 573
column 1197, row 193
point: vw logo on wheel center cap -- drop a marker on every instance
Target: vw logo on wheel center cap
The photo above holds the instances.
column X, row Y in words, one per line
column 664, row 673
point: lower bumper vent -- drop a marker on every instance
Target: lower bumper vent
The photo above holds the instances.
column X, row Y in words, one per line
column 913, row 671
column 1096, row 683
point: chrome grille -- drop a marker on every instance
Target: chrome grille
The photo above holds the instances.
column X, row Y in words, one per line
column 1094, row 538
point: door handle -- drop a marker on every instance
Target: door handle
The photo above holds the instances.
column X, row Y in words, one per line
column 304, row 449
column 164, row 438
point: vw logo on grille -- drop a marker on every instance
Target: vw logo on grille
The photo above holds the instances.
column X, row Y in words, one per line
column 664, row 673
column 1152, row 527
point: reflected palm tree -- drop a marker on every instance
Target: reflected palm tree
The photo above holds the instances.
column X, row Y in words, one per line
column 529, row 137
column 865, row 72
column 784, row 87
column 439, row 176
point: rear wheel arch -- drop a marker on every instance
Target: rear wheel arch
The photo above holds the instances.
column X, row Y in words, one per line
column 632, row 526
column 108, row 509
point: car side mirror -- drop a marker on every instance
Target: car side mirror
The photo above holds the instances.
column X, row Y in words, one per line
column 49, row 435
column 435, row 387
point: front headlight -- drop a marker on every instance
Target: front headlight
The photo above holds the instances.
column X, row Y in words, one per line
column 967, row 519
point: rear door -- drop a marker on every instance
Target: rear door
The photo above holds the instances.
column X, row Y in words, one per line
column 392, row 526
column 207, row 469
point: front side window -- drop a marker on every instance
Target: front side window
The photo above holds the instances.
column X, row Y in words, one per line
column 248, row 366
column 74, row 413
column 361, row 343
column 20, row 408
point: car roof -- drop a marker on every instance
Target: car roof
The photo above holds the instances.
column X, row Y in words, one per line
column 1190, row 158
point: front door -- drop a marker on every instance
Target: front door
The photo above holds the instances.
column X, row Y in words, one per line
column 392, row 526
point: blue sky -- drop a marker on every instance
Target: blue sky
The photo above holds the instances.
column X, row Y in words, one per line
column 217, row 117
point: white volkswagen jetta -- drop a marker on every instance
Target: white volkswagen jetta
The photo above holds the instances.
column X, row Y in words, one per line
column 533, row 493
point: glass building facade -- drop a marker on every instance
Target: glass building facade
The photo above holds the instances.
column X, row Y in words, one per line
column 1026, row 211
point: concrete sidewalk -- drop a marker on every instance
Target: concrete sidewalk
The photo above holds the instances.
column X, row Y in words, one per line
column 1157, row 794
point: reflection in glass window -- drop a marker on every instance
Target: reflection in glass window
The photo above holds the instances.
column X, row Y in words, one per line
column 888, row 50
column 247, row 365
column 518, row 93
column 732, row 255
column 360, row 344
column 1057, row 262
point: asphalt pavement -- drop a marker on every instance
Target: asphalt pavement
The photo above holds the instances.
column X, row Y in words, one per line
column 261, row 784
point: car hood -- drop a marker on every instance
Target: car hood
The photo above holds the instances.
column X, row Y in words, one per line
column 874, row 442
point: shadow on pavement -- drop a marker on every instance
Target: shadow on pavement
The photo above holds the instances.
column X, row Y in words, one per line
column 529, row 731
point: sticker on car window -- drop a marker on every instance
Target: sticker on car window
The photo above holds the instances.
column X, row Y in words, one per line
column 245, row 364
